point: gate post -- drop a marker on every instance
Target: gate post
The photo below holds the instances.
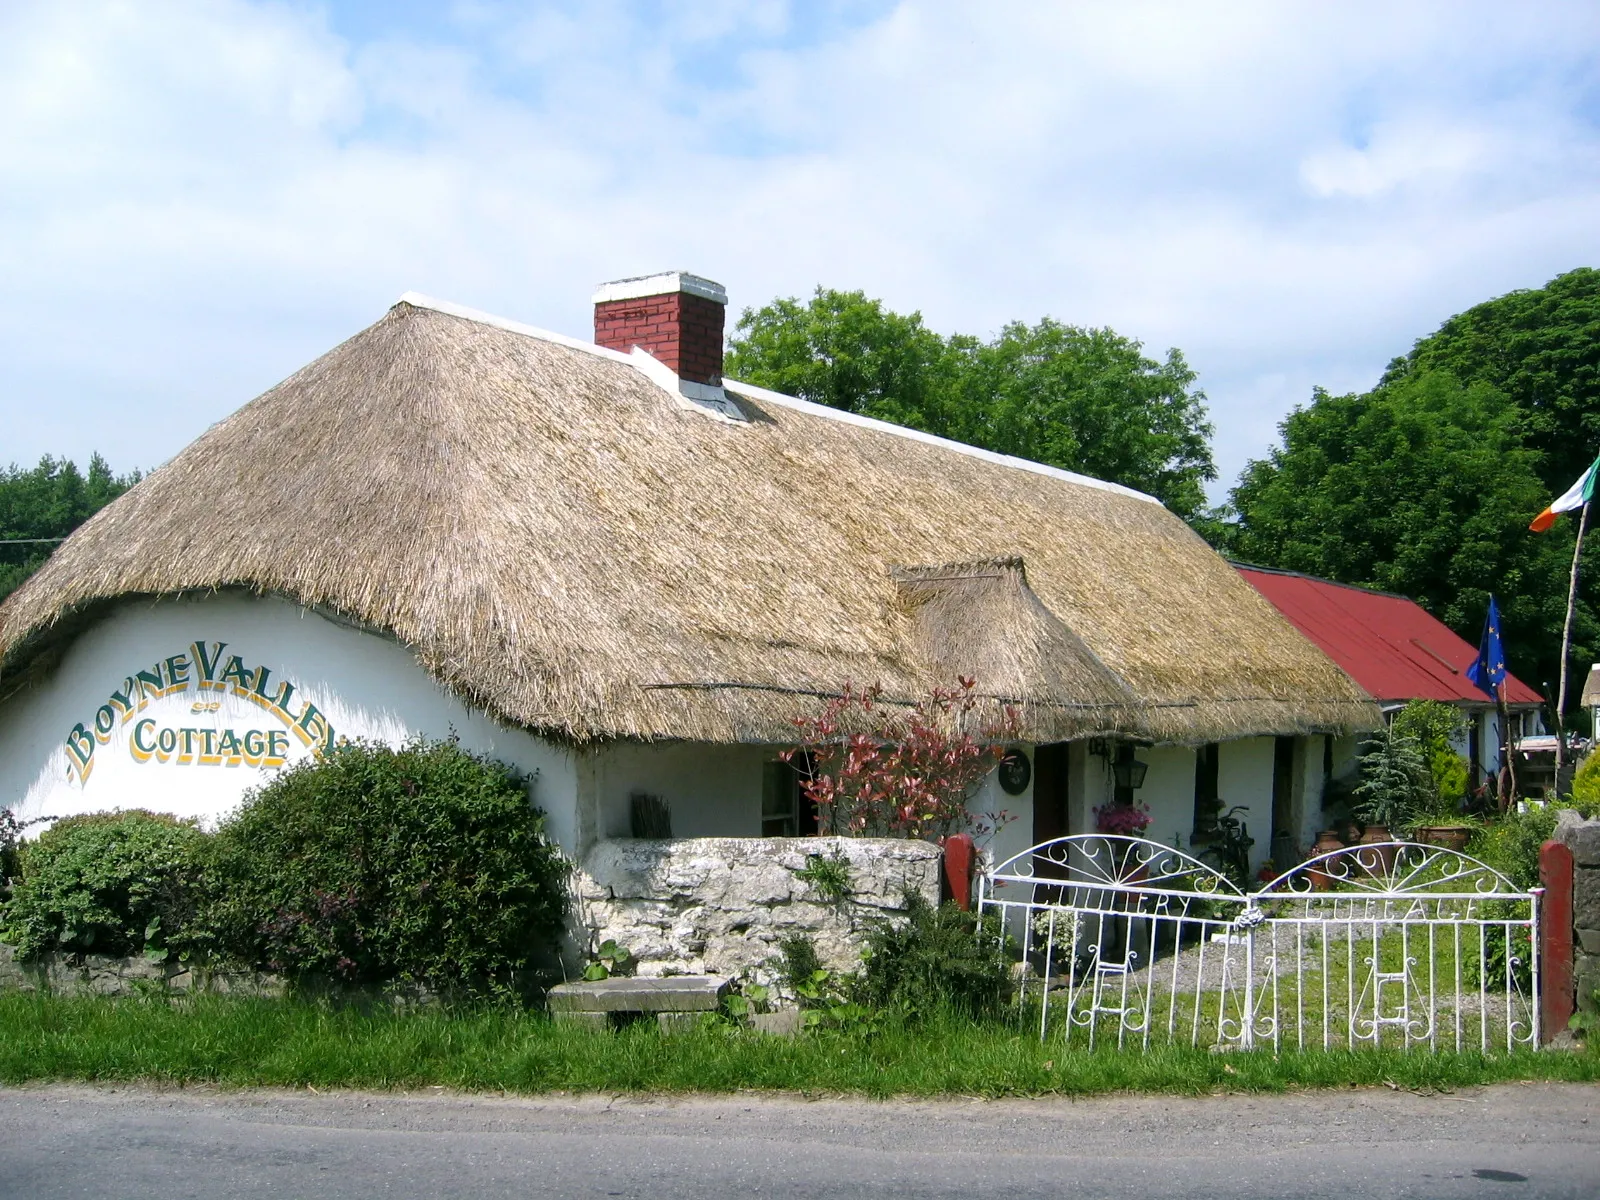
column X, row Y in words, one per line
column 958, row 856
column 1555, row 940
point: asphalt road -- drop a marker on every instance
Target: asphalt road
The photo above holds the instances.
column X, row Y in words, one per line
column 1516, row 1142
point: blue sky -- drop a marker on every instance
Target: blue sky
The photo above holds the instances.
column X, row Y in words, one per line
column 197, row 198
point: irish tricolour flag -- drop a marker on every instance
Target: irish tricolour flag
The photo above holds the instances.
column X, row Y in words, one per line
column 1575, row 496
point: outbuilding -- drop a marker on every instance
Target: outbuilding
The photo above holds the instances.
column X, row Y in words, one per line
column 1398, row 651
column 628, row 576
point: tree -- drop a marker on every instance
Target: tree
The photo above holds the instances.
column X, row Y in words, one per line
column 1086, row 400
column 1421, row 487
column 48, row 501
column 848, row 352
column 1541, row 347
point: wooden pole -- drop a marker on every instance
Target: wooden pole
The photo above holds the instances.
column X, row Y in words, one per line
column 1566, row 647
column 1507, row 761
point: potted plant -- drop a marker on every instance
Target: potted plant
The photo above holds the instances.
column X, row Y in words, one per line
column 1442, row 829
column 1436, row 726
column 1128, row 820
column 1394, row 785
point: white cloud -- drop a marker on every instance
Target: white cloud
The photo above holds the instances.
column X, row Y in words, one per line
column 196, row 198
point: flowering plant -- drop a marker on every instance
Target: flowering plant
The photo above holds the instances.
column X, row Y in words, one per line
column 1130, row 820
column 877, row 769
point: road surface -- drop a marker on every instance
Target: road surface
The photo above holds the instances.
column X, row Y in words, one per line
column 1518, row 1142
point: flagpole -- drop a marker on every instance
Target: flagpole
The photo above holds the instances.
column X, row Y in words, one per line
column 1507, row 759
column 1566, row 646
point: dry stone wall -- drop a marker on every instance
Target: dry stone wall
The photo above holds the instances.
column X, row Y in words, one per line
column 720, row 906
column 95, row 975
column 1583, row 839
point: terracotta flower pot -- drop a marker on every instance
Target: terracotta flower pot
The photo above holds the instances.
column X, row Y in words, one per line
column 1327, row 842
column 1383, row 857
column 1451, row 837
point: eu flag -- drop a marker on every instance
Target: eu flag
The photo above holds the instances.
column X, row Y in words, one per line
column 1488, row 670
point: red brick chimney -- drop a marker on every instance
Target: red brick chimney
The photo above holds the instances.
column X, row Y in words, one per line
column 676, row 316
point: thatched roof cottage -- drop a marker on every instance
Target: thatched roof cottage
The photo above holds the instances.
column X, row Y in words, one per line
column 607, row 564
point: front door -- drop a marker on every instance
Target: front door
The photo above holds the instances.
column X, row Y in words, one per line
column 1282, row 846
column 1050, row 792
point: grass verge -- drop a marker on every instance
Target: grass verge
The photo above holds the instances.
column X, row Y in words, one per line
column 247, row 1042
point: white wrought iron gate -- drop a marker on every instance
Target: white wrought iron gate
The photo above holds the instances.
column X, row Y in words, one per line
column 1395, row 944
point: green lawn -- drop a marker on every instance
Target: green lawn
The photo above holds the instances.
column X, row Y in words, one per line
column 241, row 1042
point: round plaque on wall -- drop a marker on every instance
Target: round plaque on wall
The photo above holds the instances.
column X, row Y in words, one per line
column 1015, row 771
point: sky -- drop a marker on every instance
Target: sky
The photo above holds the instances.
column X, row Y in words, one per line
column 198, row 198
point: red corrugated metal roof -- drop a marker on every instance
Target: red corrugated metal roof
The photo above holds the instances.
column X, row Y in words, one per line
column 1386, row 643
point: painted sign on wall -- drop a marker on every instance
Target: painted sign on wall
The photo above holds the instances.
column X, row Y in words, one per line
column 204, row 669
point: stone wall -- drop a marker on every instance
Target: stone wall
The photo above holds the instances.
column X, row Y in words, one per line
column 1583, row 839
column 720, row 906
column 95, row 975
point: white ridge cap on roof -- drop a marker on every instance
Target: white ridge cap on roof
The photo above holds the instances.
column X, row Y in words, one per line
column 418, row 300
column 916, row 435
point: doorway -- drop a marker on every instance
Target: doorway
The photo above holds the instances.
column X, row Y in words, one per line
column 1282, row 848
column 1050, row 791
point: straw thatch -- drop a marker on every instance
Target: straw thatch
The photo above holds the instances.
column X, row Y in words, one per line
column 1591, row 688
column 564, row 542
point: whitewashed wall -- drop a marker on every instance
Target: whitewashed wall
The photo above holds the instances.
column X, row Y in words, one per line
column 1168, row 791
column 1244, row 776
column 363, row 685
column 713, row 790
column 1016, row 833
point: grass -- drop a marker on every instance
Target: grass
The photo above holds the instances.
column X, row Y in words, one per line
column 250, row 1042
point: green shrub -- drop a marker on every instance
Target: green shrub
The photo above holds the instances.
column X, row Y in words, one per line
column 937, row 959
column 1433, row 724
column 422, row 865
column 1586, row 784
column 1511, row 844
column 110, row 883
column 800, row 962
column 1395, row 784
column 10, row 835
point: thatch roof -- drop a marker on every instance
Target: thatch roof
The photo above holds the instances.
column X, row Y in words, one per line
column 563, row 541
column 1591, row 688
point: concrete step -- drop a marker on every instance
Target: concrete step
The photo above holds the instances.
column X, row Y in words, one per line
column 673, row 993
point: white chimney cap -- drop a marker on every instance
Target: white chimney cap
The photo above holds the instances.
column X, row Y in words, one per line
column 663, row 284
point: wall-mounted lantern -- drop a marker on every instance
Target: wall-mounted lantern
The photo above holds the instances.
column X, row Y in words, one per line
column 1128, row 771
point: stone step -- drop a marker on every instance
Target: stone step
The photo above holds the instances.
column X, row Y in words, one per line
column 672, row 993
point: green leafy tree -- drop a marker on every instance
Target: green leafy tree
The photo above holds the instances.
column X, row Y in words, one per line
column 1086, row 400
column 1089, row 400
column 1422, row 487
column 848, row 352
column 48, row 501
column 1541, row 347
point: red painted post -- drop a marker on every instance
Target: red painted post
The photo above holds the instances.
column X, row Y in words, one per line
column 1555, row 940
column 958, row 856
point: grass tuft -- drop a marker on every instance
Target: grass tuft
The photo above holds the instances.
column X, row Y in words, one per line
column 293, row 1043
